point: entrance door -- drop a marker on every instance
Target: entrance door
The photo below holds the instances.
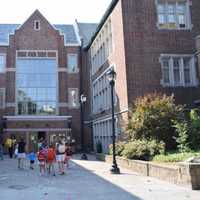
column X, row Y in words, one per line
column 41, row 136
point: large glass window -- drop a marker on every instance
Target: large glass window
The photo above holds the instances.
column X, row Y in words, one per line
column 2, row 63
column 36, row 86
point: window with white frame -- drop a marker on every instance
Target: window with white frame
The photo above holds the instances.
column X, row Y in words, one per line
column 2, row 97
column 173, row 14
column 72, row 63
column 73, row 98
column 36, row 25
column 102, row 131
column 101, row 94
column 102, row 46
column 2, row 63
column 178, row 70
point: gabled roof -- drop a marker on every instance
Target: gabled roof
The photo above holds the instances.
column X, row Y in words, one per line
column 65, row 29
column 86, row 30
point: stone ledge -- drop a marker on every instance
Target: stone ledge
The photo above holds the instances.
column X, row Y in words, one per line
column 185, row 174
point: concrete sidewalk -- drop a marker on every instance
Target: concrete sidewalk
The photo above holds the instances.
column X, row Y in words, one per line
column 85, row 180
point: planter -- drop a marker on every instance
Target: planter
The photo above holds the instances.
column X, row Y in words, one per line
column 185, row 174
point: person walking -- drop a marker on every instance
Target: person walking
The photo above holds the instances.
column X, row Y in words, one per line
column 51, row 159
column 61, row 157
column 1, row 151
column 9, row 146
column 21, row 153
column 32, row 158
column 42, row 160
column 1, row 146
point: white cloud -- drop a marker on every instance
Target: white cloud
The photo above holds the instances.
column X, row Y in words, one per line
column 56, row 11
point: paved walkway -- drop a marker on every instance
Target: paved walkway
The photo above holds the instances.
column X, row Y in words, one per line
column 85, row 180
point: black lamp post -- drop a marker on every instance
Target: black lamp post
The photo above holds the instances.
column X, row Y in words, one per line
column 83, row 99
column 111, row 75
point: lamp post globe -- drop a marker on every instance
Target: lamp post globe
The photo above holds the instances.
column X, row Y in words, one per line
column 111, row 75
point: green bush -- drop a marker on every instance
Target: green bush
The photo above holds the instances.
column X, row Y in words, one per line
column 143, row 149
column 175, row 157
column 183, row 136
column 152, row 117
column 119, row 147
column 188, row 130
column 194, row 133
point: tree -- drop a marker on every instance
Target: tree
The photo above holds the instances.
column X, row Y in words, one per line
column 151, row 118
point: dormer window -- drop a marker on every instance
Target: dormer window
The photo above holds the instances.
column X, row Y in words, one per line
column 36, row 25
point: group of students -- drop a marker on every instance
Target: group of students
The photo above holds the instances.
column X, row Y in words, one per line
column 47, row 156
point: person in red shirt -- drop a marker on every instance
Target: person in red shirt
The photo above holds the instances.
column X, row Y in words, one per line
column 42, row 159
column 51, row 159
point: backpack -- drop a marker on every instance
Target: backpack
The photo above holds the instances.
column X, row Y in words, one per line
column 61, row 148
column 50, row 154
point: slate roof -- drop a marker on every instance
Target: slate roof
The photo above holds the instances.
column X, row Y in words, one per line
column 5, row 30
column 86, row 31
column 66, row 30
column 69, row 33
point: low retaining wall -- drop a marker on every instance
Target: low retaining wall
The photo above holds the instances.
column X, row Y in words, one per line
column 185, row 174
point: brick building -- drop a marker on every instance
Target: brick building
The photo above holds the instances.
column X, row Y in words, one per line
column 153, row 46
column 40, row 80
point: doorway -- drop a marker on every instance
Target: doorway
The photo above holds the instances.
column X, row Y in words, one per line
column 41, row 135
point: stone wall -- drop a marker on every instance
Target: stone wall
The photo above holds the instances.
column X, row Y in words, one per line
column 185, row 174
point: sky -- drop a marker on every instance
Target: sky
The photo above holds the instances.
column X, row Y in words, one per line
column 56, row 11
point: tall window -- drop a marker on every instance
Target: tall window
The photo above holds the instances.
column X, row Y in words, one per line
column 2, row 63
column 178, row 71
column 2, row 97
column 36, row 86
column 72, row 63
column 73, row 98
column 173, row 14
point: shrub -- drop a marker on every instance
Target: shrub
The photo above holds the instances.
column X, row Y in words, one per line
column 151, row 118
column 143, row 149
column 119, row 147
column 99, row 147
column 188, row 131
column 175, row 157
column 194, row 133
column 182, row 139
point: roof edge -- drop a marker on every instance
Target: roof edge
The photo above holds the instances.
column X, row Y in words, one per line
column 103, row 19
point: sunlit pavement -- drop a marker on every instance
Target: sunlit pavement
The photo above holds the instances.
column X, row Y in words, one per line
column 85, row 180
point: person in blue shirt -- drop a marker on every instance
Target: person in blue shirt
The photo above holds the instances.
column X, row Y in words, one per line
column 32, row 158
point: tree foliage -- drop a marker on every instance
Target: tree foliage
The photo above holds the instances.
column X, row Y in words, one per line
column 151, row 118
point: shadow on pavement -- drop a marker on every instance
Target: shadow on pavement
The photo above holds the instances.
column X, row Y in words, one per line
column 101, row 188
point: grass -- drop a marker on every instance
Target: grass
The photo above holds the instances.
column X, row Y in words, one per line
column 175, row 157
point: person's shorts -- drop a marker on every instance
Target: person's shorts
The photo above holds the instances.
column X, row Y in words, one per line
column 41, row 163
column 50, row 161
column 61, row 158
column 32, row 161
column 21, row 155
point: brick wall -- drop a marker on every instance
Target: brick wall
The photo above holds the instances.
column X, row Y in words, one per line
column 144, row 43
